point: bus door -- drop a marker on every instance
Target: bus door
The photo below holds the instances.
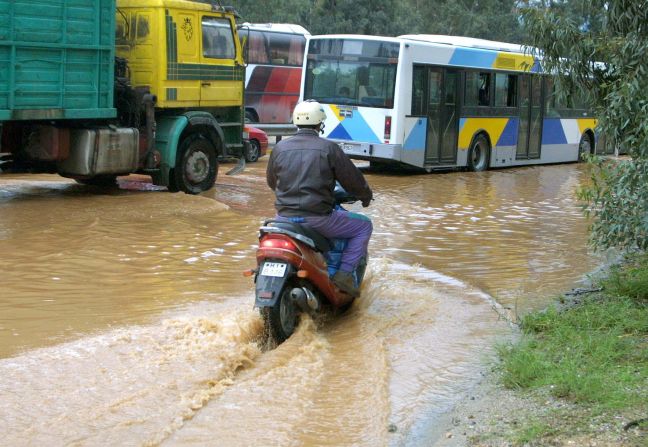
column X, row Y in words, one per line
column 531, row 116
column 441, row 145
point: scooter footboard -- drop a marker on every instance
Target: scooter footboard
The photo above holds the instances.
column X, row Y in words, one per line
column 270, row 281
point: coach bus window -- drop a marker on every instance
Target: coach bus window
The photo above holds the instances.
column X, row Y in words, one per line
column 218, row 41
column 286, row 49
column 505, row 90
column 258, row 51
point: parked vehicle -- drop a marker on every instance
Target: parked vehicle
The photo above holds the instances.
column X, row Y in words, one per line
column 274, row 53
column 294, row 269
column 444, row 102
column 91, row 89
column 257, row 143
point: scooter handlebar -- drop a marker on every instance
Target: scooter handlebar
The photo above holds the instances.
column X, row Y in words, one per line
column 342, row 196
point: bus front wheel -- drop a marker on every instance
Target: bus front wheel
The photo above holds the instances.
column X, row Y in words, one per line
column 479, row 154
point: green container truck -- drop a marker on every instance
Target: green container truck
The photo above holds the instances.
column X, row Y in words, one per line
column 72, row 103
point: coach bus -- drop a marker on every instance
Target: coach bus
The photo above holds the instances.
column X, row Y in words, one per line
column 440, row 102
column 274, row 56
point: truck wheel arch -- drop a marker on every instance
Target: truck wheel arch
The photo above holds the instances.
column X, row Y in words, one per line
column 171, row 130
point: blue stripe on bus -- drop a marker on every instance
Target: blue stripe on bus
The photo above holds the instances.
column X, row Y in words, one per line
column 416, row 138
column 552, row 132
column 340, row 133
column 462, row 121
column 359, row 130
column 510, row 133
column 473, row 58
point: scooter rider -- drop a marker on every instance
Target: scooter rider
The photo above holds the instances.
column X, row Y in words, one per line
column 302, row 172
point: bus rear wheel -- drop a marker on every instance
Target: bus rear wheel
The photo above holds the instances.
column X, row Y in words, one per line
column 479, row 154
column 196, row 165
column 584, row 147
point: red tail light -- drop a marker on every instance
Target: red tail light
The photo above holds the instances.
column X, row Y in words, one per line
column 387, row 128
column 278, row 243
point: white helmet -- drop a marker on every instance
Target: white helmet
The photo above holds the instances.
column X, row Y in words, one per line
column 308, row 113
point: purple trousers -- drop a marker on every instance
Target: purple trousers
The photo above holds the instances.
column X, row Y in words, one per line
column 342, row 224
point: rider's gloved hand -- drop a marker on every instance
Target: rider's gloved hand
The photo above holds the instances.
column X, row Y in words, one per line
column 366, row 202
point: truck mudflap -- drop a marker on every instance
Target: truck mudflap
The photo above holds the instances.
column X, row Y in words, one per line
column 270, row 281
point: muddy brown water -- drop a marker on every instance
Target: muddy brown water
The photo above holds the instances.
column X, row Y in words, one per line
column 125, row 320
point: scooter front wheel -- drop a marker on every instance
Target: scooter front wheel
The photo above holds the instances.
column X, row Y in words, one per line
column 280, row 320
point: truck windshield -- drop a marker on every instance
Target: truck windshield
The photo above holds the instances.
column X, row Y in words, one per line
column 351, row 72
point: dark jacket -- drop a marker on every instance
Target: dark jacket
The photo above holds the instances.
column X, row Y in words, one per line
column 302, row 171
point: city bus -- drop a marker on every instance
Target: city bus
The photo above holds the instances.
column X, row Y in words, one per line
column 442, row 102
column 274, row 55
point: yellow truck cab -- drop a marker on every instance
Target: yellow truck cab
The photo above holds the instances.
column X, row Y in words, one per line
column 188, row 56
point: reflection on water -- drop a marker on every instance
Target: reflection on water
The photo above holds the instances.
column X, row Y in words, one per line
column 518, row 234
column 146, row 331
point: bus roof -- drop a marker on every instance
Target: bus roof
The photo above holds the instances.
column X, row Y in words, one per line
column 461, row 51
column 358, row 37
column 278, row 28
column 467, row 42
column 438, row 39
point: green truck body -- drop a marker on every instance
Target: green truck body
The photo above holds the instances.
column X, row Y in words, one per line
column 57, row 59
column 71, row 104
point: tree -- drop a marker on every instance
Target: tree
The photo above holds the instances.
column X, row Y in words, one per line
column 275, row 11
column 485, row 19
column 608, row 64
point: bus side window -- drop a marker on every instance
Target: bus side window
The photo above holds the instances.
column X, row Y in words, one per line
column 484, row 89
column 505, row 90
column 471, row 96
column 550, row 100
column 418, row 91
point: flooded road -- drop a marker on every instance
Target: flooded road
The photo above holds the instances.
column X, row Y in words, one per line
column 125, row 320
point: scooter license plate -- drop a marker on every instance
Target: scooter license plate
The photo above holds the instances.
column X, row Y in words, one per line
column 274, row 269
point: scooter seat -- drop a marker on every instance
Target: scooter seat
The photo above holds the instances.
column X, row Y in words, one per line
column 320, row 242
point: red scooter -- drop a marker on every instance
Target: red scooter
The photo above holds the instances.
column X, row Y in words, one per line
column 293, row 275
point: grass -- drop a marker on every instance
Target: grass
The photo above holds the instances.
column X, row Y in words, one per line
column 593, row 355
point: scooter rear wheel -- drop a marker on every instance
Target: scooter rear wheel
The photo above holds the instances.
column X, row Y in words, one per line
column 280, row 320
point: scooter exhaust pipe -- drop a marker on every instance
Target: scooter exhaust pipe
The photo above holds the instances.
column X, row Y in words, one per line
column 305, row 299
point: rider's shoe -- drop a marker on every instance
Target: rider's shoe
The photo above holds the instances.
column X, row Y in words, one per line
column 344, row 281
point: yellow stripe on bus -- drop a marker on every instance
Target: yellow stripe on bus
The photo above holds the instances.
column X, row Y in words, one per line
column 493, row 126
column 512, row 61
column 586, row 123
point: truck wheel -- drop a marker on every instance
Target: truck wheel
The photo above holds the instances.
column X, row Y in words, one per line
column 478, row 155
column 196, row 165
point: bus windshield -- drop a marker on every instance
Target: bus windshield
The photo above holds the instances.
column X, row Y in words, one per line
column 352, row 72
